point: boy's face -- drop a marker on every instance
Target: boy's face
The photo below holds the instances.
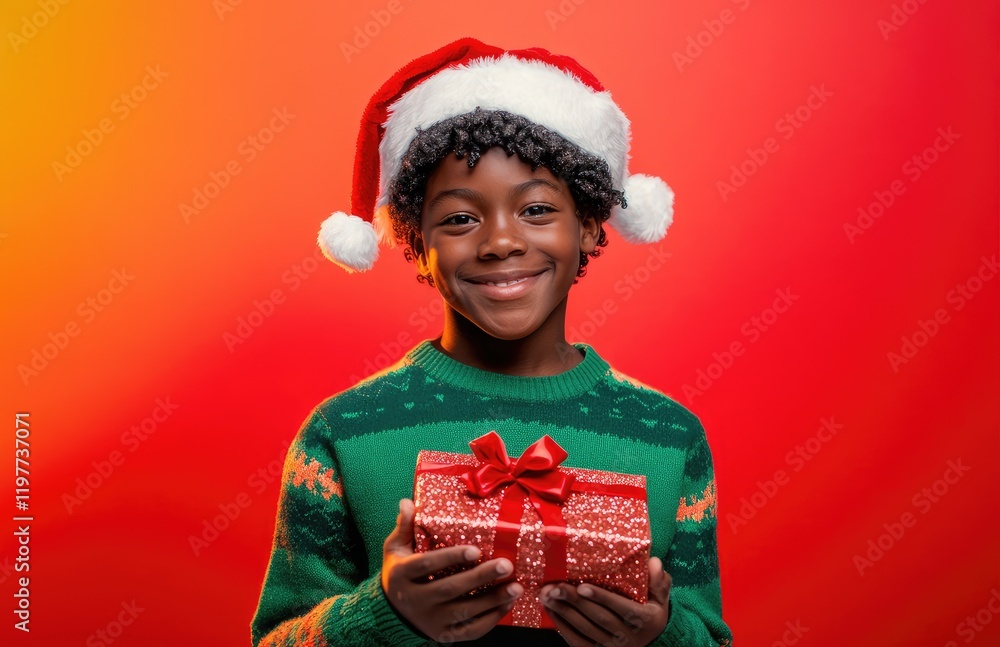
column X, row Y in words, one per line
column 500, row 222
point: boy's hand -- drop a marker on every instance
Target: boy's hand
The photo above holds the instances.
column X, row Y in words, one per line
column 589, row 615
column 435, row 607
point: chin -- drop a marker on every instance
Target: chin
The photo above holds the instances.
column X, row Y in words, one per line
column 516, row 337
column 508, row 333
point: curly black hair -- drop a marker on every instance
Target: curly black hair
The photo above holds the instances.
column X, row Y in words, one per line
column 469, row 136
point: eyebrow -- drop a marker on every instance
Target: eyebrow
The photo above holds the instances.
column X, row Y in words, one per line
column 468, row 194
column 524, row 187
column 475, row 196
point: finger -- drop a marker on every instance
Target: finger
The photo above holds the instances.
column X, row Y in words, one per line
column 573, row 616
column 624, row 607
column 597, row 613
column 457, row 585
column 475, row 627
column 568, row 633
column 659, row 582
column 400, row 540
column 420, row 565
column 655, row 580
column 501, row 596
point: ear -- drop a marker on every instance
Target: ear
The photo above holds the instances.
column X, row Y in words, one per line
column 590, row 229
column 419, row 254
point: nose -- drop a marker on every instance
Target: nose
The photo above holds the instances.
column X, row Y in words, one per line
column 501, row 237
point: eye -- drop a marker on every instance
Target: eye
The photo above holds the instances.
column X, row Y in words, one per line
column 451, row 220
column 538, row 210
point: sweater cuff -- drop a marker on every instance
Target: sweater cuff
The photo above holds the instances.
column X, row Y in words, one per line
column 674, row 634
column 389, row 624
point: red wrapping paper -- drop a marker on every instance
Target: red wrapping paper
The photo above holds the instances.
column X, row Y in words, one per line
column 553, row 523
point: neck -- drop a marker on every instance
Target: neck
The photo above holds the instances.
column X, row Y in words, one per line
column 544, row 352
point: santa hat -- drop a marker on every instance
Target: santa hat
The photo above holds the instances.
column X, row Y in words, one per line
column 550, row 90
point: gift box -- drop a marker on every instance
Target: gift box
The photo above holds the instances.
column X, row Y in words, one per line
column 555, row 524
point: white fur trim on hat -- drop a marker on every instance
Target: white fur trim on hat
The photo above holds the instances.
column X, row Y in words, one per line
column 349, row 241
column 539, row 91
column 650, row 210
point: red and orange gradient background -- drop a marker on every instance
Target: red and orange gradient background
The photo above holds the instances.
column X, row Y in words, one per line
column 63, row 235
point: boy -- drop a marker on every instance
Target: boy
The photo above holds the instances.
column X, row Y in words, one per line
column 498, row 170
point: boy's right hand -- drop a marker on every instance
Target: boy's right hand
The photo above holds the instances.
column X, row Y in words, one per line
column 436, row 607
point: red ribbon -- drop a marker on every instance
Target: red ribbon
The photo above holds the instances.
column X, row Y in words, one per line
column 535, row 476
column 535, row 471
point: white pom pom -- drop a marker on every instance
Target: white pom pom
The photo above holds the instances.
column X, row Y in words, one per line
column 650, row 210
column 349, row 241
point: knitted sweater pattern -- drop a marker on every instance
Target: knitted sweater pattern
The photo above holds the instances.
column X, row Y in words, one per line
column 353, row 459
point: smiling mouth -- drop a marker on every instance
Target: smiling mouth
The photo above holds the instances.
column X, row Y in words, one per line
column 507, row 290
column 504, row 284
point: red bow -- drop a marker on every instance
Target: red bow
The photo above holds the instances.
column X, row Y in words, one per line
column 535, row 471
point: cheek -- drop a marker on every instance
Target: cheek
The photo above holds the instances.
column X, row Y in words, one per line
column 442, row 270
column 562, row 244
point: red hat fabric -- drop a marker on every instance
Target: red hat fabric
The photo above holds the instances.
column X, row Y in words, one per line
column 551, row 90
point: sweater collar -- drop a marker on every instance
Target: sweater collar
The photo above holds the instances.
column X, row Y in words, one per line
column 573, row 382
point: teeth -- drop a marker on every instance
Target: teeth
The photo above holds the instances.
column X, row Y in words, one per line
column 507, row 283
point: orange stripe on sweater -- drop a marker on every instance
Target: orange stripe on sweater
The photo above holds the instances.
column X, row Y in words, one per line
column 305, row 631
column 313, row 475
column 699, row 507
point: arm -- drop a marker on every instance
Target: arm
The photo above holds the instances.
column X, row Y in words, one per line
column 317, row 590
column 695, row 606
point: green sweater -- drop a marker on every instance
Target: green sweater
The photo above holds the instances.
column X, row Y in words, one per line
column 353, row 460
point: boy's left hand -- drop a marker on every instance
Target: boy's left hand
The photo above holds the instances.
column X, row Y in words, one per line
column 588, row 615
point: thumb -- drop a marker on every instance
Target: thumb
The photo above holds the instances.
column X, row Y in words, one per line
column 659, row 582
column 401, row 538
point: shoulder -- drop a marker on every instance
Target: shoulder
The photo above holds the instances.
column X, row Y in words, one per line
column 372, row 403
column 392, row 381
column 353, row 411
column 628, row 386
column 678, row 422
